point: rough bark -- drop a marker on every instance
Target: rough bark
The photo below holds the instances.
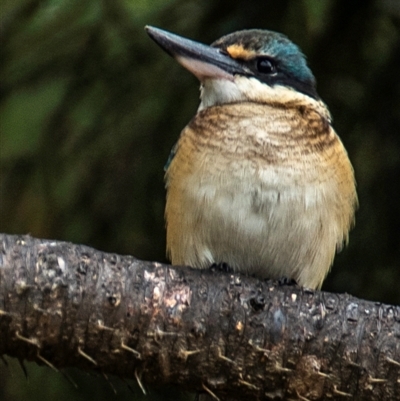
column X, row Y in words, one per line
column 63, row 305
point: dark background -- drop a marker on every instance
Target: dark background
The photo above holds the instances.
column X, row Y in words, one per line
column 90, row 107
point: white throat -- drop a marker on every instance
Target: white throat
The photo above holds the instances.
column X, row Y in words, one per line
column 217, row 91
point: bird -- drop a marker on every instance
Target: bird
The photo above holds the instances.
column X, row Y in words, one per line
column 258, row 179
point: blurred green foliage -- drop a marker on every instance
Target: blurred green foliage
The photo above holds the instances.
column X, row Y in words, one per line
column 90, row 107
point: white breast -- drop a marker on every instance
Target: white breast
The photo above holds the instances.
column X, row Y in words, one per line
column 273, row 214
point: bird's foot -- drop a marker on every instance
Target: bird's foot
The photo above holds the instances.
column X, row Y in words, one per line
column 221, row 267
column 287, row 281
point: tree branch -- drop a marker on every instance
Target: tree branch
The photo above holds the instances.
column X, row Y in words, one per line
column 63, row 305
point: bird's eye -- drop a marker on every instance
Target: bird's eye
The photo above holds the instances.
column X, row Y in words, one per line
column 265, row 66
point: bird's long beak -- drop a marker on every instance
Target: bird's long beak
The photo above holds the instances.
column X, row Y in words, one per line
column 201, row 60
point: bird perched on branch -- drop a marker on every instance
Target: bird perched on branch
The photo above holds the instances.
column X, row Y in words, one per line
column 258, row 178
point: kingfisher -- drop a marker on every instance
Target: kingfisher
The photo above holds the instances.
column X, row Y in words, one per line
column 258, row 180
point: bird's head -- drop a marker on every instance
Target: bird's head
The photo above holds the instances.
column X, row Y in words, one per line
column 250, row 65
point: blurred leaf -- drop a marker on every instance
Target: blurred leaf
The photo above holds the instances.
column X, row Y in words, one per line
column 24, row 115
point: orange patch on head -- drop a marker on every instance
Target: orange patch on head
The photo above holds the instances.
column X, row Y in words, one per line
column 238, row 51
